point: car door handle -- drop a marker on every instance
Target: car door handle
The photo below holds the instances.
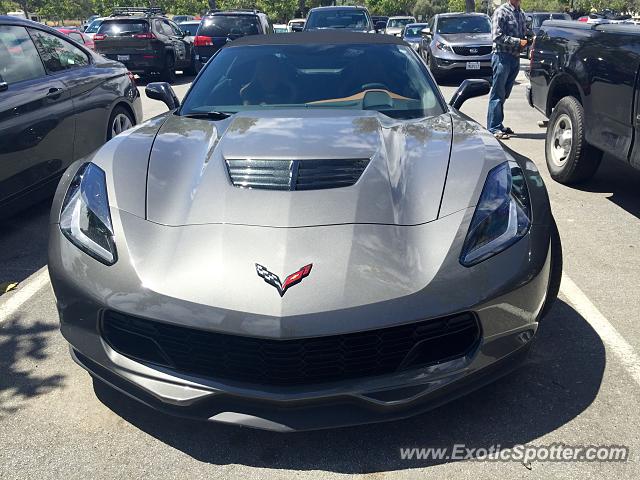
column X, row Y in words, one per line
column 54, row 93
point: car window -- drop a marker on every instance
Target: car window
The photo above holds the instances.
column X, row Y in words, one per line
column 189, row 28
column 347, row 19
column 76, row 36
column 93, row 26
column 173, row 28
column 224, row 25
column 58, row 54
column 387, row 78
column 19, row 59
column 399, row 22
column 414, row 31
column 453, row 25
column 123, row 27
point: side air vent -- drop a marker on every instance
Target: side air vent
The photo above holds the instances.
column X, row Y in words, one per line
column 295, row 174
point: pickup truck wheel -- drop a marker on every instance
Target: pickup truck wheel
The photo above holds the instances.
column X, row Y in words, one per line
column 555, row 273
column 570, row 158
column 168, row 73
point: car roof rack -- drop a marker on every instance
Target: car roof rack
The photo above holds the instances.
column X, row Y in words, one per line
column 231, row 10
column 146, row 11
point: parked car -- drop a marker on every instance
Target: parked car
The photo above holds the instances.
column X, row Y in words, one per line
column 412, row 34
column 183, row 18
column 313, row 239
column 219, row 27
column 190, row 29
column 93, row 27
column 459, row 42
column 280, row 28
column 535, row 20
column 59, row 101
column 78, row 36
column 88, row 21
column 584, row 79
column 379, row 18
column 354, row 19
column 296, row 24
column 147, row 43
column 396, row 24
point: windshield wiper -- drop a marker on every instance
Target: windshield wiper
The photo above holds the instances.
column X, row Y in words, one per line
column 213, row 115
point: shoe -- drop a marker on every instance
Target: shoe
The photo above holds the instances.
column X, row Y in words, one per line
column 508, row 131
column 501, row 136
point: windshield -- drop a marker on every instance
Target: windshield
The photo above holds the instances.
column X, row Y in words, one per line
column 348, row 19
column 538, row 19
column 414, row 31
column 399, row 22
column 386, row 78
column 453, row 25
column 93, row 26
column 189, row 28
column 115, row 28
column 225, row 25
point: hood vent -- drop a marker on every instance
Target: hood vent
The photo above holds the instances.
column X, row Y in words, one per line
column 295, row 174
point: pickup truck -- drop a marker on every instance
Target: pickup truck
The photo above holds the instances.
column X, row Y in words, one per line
column 585, row 79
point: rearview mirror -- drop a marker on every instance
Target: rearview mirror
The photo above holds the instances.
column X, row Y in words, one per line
column 162, row 91
column 469, row 89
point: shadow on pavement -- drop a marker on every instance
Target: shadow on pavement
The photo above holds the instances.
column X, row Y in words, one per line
column 22, row 347
column 181, row 79
column 619, row 179
column 560, row 380
column 23, row 242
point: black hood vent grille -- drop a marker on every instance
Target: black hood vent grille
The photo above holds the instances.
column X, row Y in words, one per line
column 295, row 174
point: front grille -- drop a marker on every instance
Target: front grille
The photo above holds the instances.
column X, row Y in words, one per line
column 294, row 361
column 295, row 174
column 472, row 51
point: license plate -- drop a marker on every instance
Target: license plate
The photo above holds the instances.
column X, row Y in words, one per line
column 473, row 65
column 125, row 58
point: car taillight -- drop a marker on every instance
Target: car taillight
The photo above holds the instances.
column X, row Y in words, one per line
column 202, row 41
column 99, row 36
column 145, row 36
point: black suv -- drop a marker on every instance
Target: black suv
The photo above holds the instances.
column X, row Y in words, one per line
column 219, row 27
column 146, row 42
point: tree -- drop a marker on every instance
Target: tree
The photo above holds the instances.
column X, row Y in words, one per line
column 429, row 8
column 470, row 6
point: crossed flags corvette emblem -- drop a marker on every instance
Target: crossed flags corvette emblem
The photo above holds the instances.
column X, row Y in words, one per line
column 282, row 287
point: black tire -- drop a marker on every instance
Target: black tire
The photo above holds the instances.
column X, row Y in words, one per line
column 168, row 73
column 117, row 115
column 555, row 271
column 582, row 160
column 192, row 69
column 435, row 71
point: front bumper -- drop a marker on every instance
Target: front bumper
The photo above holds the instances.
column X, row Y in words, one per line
column 460, row 63
column 508, row 323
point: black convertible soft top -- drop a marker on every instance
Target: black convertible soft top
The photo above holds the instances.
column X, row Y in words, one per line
column 328, row 37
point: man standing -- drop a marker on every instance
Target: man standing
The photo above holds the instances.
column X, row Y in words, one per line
column 508, row 32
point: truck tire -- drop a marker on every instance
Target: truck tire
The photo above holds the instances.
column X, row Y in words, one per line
column 168, row 73
column 555, row 272
column 570, row 158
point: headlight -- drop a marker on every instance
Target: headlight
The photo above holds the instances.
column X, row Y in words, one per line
column 85, row 219
column 444, row 47
column 502, row 217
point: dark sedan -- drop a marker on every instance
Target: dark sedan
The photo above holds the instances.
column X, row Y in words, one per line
column 59, row 101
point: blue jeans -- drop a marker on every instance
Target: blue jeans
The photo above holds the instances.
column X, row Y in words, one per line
column 505, row 70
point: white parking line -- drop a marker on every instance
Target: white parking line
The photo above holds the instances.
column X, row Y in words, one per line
column 613, row 341
column 23, row 294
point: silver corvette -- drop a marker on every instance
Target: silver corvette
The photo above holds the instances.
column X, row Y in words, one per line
column 313, row 239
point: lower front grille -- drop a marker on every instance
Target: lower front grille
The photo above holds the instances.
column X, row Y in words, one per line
column 472, row 51
column 294, row 361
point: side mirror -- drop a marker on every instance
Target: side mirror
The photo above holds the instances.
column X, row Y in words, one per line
column 469, row 89
column 426, row 32
column 162, row 91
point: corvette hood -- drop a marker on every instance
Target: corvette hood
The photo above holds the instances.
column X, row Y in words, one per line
column 189, row 183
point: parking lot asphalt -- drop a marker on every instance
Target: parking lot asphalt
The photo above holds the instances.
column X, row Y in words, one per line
column 580, row 386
